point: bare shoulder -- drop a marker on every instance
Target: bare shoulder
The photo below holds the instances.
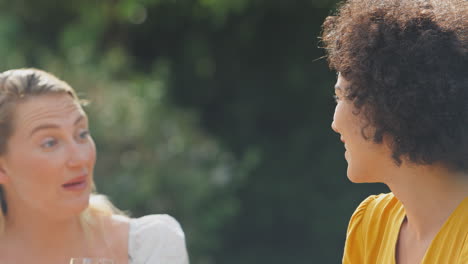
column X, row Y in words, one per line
column 116, row 227
column 116, row 233
column 119, row 221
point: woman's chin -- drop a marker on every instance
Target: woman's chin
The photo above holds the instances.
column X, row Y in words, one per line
column 362, row 177
column 356, row 177
column 77, row 205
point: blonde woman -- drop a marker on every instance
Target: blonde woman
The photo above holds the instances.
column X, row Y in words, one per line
column 48, row 212
column 402, row 114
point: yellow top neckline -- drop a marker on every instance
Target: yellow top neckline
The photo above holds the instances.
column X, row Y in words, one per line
column 461, row 207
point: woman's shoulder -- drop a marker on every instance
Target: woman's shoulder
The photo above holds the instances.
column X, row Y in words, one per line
column 376, row 206
column 380, row 202
column 156, row 238
column 374, row 217
column 155, row 223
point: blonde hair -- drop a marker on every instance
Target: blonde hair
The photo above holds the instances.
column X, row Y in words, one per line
column 18, row 85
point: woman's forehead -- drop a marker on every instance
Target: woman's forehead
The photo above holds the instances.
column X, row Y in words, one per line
column 46, row 108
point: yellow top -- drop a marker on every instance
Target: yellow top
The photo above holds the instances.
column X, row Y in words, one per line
column 374, row 227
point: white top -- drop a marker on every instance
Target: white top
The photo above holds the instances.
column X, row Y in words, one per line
column 156, row 239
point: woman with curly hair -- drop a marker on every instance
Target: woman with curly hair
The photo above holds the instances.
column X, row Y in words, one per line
column 402, row 113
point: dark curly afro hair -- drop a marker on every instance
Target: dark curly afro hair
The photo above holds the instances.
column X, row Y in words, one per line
column 407, row 64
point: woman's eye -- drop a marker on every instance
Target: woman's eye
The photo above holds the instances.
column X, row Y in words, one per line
column 49, row 143
column 84, row 134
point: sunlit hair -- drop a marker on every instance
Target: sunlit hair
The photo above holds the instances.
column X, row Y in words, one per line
column 17, row 86
column 406, row 62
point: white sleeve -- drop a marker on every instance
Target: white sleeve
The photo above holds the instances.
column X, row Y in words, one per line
column 156, row 239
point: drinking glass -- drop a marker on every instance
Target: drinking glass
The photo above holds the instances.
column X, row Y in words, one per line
column 91, row 261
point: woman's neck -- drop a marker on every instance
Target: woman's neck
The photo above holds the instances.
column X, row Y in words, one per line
column 54, row 238
column 37, row 233
column 429, row 195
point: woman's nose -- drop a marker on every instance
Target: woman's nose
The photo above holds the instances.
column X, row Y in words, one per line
column 335, row 116
column 333, row 126
column 79, row 155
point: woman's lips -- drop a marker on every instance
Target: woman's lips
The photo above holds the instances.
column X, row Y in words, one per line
column 76, row 184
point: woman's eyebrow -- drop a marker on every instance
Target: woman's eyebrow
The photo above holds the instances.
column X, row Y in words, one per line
column 81, row 117
column 49, row 126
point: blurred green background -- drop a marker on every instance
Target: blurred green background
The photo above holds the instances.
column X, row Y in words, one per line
column 217, row 112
